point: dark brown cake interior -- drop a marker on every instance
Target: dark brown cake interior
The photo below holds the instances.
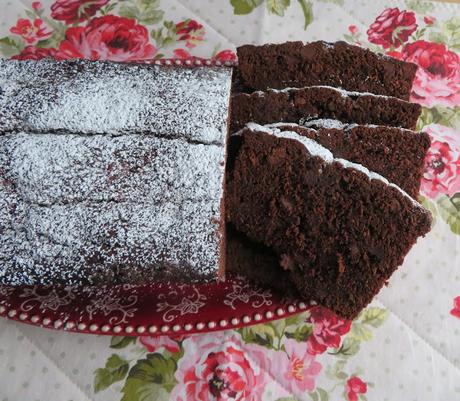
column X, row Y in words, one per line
column 293, row 105
column 394, row 153
column 339, row 64
column 338, row 235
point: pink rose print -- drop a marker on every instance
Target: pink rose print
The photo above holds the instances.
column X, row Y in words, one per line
column 36, row 5
column 225, row 55
column 354, row 387
column 31, row 32
column 429, row 20
column 438, row 77
column 353, row 29
column 182, row 54
column 455, row 311
column 108, row 38
column 190, row 31
column 296, row 368
column 35, row 53
column 442, row 162
column 71, row 11
column 153, row 344
column 220, row 368
column 327, row 330
column 392, row 28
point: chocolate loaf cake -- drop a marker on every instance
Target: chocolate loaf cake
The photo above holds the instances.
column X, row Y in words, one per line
column 339, row 230
column 123, row 206
column 339, row 64
column 95, row 97
column 295, row 104
column 395, row 153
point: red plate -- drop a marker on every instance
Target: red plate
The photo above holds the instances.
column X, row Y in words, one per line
column 146, row 309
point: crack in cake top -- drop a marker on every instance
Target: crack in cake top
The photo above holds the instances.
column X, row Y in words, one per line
column 93, row 97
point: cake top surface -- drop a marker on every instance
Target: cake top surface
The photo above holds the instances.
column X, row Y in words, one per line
column 76, row 202
column 315, row 149
column 103, row 97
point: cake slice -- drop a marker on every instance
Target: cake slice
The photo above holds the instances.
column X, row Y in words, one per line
column 295, row 104
column 339, row 230
column 101, row 199
column 397, row 154
column 339, row 64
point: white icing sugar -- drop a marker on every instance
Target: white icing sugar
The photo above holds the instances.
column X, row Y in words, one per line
column 134, row 202
column 315, row 149
column 110, row 172
column 328, row 123
column 102, row 97
column 341, row 91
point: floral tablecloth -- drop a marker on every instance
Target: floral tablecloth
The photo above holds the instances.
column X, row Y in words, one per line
column 404, row 346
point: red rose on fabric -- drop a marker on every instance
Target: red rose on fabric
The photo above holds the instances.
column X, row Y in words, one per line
column 30, row 31
column 442, row 162
column 353, row 29
column 36, row 5
column 153, row 344
column 455, row 311
column 429, row 20
column 190, row 31
column 35, row 53
column 71, row 11
column 327, row 330
column 108, row 38
column 220, row 367
column 354, row 387
column 438, row 77
column 392, row 28
column 225, row 55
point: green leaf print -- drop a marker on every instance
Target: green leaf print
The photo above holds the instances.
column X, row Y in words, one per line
column 448, row 32
column 261, row 334
column 420, row 6
column 139, row 390
column 301, row 333
column 449, row 209
column 145, row 11
column 121, row 342
column 10, row 46
column 336, row 372
column 155, row 368
column 115, row 370
column 360, row 332
column 373, row 316
column 307, row 10
column 243, row 7
column 278, row 7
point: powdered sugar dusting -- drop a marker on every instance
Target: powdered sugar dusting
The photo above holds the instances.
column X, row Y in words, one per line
column 102, row 97
column 124, row 185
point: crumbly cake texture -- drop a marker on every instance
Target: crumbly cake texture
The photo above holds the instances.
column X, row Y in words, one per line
column 296, row 104
column 339, row 64
column 338, row 229
column 90, row 97
column 395, row 153
column 124, row 206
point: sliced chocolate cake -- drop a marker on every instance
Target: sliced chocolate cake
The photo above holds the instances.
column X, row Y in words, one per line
column 295, row 104
column 141, row 202
column 339, row 230
column 397, row 154
column 339, row 64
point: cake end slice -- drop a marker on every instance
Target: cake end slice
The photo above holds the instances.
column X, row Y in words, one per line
column 338, row 230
